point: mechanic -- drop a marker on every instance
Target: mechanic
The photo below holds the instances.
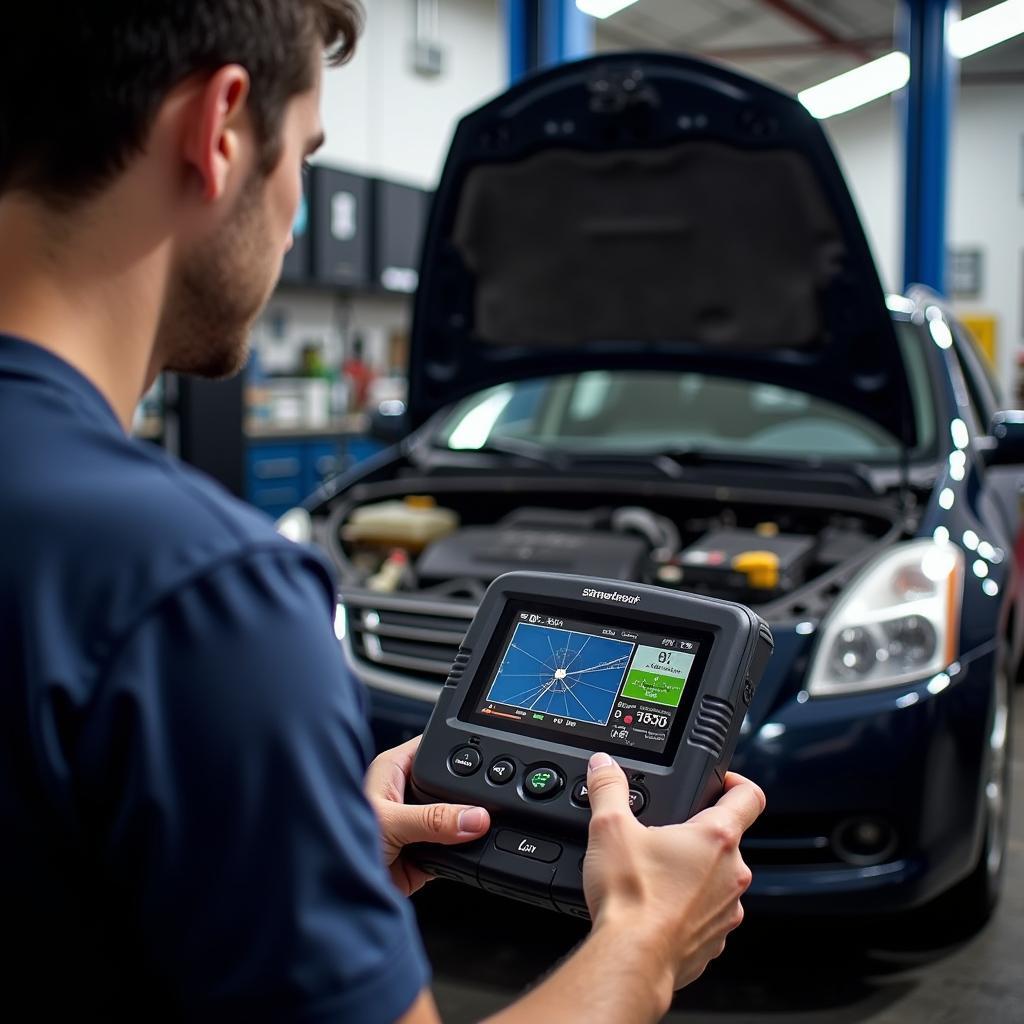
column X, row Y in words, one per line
column 186, row 833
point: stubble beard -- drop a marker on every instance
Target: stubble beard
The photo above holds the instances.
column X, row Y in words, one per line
column 218, row 292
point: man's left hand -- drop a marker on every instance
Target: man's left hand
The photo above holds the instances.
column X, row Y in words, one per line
column 402, row 823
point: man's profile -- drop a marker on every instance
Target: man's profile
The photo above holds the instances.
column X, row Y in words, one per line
column 193, row 828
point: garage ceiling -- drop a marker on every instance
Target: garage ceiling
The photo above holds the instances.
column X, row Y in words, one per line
column 793, row 44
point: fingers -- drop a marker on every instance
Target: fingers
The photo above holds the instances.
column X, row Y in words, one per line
column 385, row 778
column 733, row 779
column 407, row 877
column 742, row 803
column 743, row 798
column 607, row 788
column 447, row 824
column 406, row 751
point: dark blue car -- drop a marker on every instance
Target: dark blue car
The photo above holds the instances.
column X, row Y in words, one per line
column 650, row 343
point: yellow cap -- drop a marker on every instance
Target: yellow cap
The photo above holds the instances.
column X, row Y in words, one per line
column 760, row 567
column 420, row 501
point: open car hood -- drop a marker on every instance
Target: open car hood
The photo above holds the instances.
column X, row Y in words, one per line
column 650, row 211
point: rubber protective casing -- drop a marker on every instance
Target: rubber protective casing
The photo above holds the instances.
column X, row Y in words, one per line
column 741, row 645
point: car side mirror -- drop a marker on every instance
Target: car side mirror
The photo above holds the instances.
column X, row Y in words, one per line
column 389, row 422
column 1004, row 445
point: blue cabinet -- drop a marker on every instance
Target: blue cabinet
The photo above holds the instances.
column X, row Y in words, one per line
column 323, row 459
column 280, row 473
column 359, row 448
column 275, row 479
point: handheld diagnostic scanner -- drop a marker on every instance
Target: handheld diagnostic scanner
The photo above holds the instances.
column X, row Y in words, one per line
column 554, row 668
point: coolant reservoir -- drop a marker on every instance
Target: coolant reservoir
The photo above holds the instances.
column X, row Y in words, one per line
column 411, row 523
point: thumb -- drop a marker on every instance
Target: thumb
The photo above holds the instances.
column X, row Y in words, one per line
column 607, row 787
column 403, row 824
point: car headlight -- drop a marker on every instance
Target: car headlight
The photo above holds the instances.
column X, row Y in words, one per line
column 296, row 524
column 897, row 621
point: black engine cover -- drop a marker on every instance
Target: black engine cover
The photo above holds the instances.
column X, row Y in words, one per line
column 486, row 552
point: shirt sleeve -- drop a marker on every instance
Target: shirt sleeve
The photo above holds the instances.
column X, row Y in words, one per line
column 224, row 760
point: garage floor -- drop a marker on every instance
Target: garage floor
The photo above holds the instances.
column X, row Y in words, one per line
column 485, row 950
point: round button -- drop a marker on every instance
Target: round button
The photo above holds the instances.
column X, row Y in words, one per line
column 542, row 782
column 501, row 771
column 637, row 800
column 464, row 761
column 580, row 793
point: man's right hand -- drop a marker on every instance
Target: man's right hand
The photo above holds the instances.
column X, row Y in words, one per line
column 662, row 901
column 676, row 886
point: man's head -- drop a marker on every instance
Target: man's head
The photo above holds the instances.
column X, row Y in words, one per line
column 211, row 104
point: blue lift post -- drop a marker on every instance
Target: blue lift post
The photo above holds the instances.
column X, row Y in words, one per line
column 541, row 33
column 520, row 37
column 566, row 33
column 928, row 115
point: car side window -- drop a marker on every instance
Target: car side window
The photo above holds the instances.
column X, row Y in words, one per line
column 983, row 391
column 977, row 413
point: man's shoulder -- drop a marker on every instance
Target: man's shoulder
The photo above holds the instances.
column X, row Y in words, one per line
column 165, row 508
column 176, row 502
column 137, row 497
column 128, row 524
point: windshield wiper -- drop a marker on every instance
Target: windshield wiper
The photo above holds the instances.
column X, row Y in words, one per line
column 798, row 464
column 670, row 462
column 710, row 456
column 597, row 460
column 516, row 447
column 563, row 461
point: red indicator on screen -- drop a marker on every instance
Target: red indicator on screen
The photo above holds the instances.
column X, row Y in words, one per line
column 628, row 719
column 500, row 714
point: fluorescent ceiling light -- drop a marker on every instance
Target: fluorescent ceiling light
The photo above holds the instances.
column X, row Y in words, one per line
column 885, row 75
column 603, row 8
column 869, row 82
column 980, row 31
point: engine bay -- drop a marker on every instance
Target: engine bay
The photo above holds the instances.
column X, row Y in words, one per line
column 445, row 540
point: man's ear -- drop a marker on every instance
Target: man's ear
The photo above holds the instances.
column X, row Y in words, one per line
column 217, row 121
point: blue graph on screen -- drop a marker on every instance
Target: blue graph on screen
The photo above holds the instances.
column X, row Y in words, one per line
column 561, row 672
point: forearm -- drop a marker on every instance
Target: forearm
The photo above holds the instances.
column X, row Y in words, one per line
column 609, row 980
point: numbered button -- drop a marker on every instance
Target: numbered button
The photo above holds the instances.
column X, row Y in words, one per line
column 464, row 761
column 501, row 771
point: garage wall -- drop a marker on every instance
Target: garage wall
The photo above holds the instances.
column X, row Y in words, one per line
column 987, row 207
column 382, row 117
column 869, row 149
column 986, row 203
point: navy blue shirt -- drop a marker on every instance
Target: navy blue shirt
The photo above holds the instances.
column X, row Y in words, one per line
column 184, row 834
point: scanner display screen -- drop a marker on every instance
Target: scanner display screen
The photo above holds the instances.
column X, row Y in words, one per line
column 602, row 684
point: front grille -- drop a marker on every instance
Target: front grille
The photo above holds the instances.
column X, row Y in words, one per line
column 405, row 637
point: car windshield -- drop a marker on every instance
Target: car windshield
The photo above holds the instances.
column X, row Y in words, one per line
column 643, row 412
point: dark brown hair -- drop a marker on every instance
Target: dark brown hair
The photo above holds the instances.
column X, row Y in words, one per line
column 80, row 86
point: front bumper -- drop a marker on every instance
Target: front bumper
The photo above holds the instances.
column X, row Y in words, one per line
column 912, row 758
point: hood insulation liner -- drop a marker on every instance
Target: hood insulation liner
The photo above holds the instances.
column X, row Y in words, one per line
column 700, row 242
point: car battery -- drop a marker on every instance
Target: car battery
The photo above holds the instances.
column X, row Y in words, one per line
column 755, row 563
